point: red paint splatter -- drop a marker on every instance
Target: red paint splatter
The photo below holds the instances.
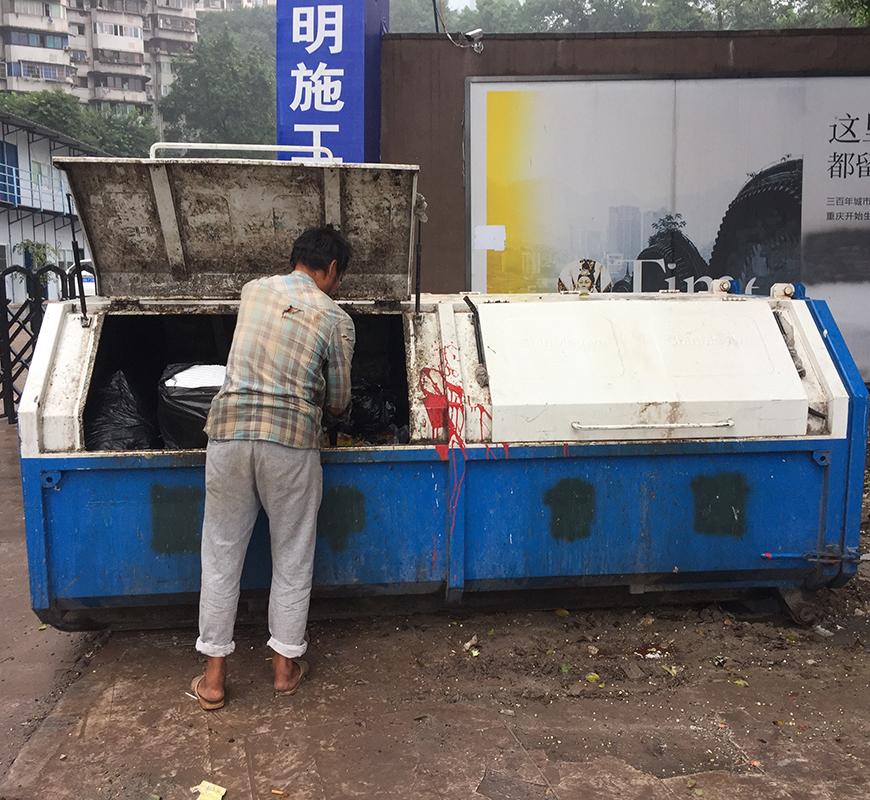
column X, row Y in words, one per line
column 507, row 452
column 444, row 400
column 481, row 409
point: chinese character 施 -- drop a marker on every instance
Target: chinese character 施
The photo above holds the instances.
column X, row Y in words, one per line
column 314, row 25
column 318, row 88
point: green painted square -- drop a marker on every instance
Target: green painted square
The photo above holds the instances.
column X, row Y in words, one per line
column 176, row 518
column 572, row 509
column 720, row 503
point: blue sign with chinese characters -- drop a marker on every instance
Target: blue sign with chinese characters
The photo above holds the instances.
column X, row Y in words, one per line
column 328, row 77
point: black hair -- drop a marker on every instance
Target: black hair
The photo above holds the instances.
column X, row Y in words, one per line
column 317, row 248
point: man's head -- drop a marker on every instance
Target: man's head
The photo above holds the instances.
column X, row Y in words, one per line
column 324, row 254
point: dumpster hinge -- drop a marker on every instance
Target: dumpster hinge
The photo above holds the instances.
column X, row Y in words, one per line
column 50, row 480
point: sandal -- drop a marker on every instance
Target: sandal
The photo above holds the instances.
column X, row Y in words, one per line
column 303, row 671
column 205, row 705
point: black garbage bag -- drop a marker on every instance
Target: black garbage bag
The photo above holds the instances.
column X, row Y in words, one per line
column 181, row 413
column 117, row 419
column 372, row 408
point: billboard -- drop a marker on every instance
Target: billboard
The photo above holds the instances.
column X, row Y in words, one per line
column 328, row 76
column 644, row 185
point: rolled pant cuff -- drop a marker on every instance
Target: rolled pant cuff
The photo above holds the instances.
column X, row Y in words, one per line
column 287, row 650
column 215, row 650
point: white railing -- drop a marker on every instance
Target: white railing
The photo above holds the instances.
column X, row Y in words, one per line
column 45, row 189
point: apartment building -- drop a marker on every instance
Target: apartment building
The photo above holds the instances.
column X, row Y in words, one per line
column 233, row 5
column 113, row 54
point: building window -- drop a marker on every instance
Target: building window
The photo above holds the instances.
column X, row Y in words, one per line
column 35, row 8
column 118, row 57
column 176, row 24
column 78, row 56
column 49, row 40
column 77, row 28
column 111, row 29
column 37, row 171
column 82, row 81
column 10, row 191
column 38, row 71
column 118, row 108
column 25, row 38
column 126, row 83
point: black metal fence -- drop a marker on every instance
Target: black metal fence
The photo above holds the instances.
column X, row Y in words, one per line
column 20, row 324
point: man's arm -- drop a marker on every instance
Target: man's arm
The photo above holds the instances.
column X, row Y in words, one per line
column 339, row 356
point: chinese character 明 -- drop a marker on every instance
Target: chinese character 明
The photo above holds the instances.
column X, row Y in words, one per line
column 328, row 25
column 317, row 87
column 843, row 130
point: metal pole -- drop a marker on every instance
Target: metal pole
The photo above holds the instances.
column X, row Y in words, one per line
column 482, row 373
column 418, row 256
column 80, row 283
column 6, row 354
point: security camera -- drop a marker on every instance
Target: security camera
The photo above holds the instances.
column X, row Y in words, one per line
column 475, row 37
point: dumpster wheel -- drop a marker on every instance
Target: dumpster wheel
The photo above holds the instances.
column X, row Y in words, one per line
column 800, row 606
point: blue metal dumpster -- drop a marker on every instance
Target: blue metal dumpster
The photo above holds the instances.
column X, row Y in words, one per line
column 653, row 442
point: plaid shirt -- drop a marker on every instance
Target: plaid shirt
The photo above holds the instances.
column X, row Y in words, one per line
column 290, row 355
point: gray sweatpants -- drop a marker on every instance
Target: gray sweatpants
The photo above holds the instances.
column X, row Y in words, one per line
column 240, row 478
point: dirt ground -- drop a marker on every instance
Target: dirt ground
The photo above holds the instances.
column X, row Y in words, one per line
column 35, row 665
column 640, row 703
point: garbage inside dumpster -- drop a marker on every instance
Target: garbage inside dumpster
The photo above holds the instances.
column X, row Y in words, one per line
column 185, row 394
column 652, row 442
column 146, row 346
column 118, row 419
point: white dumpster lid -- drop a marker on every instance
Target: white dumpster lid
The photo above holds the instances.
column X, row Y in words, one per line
column 203, row 228
column 657, row 368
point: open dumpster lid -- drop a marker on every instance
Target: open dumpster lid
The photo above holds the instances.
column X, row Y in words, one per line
column 203, row 228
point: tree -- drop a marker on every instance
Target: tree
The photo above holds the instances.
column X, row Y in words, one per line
column 678, row 15
column 413, row 16
column 222, row 93
column 118, row 133
column 858, row 11
column 253, row 28
column 669, row 222
column 572, row 16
